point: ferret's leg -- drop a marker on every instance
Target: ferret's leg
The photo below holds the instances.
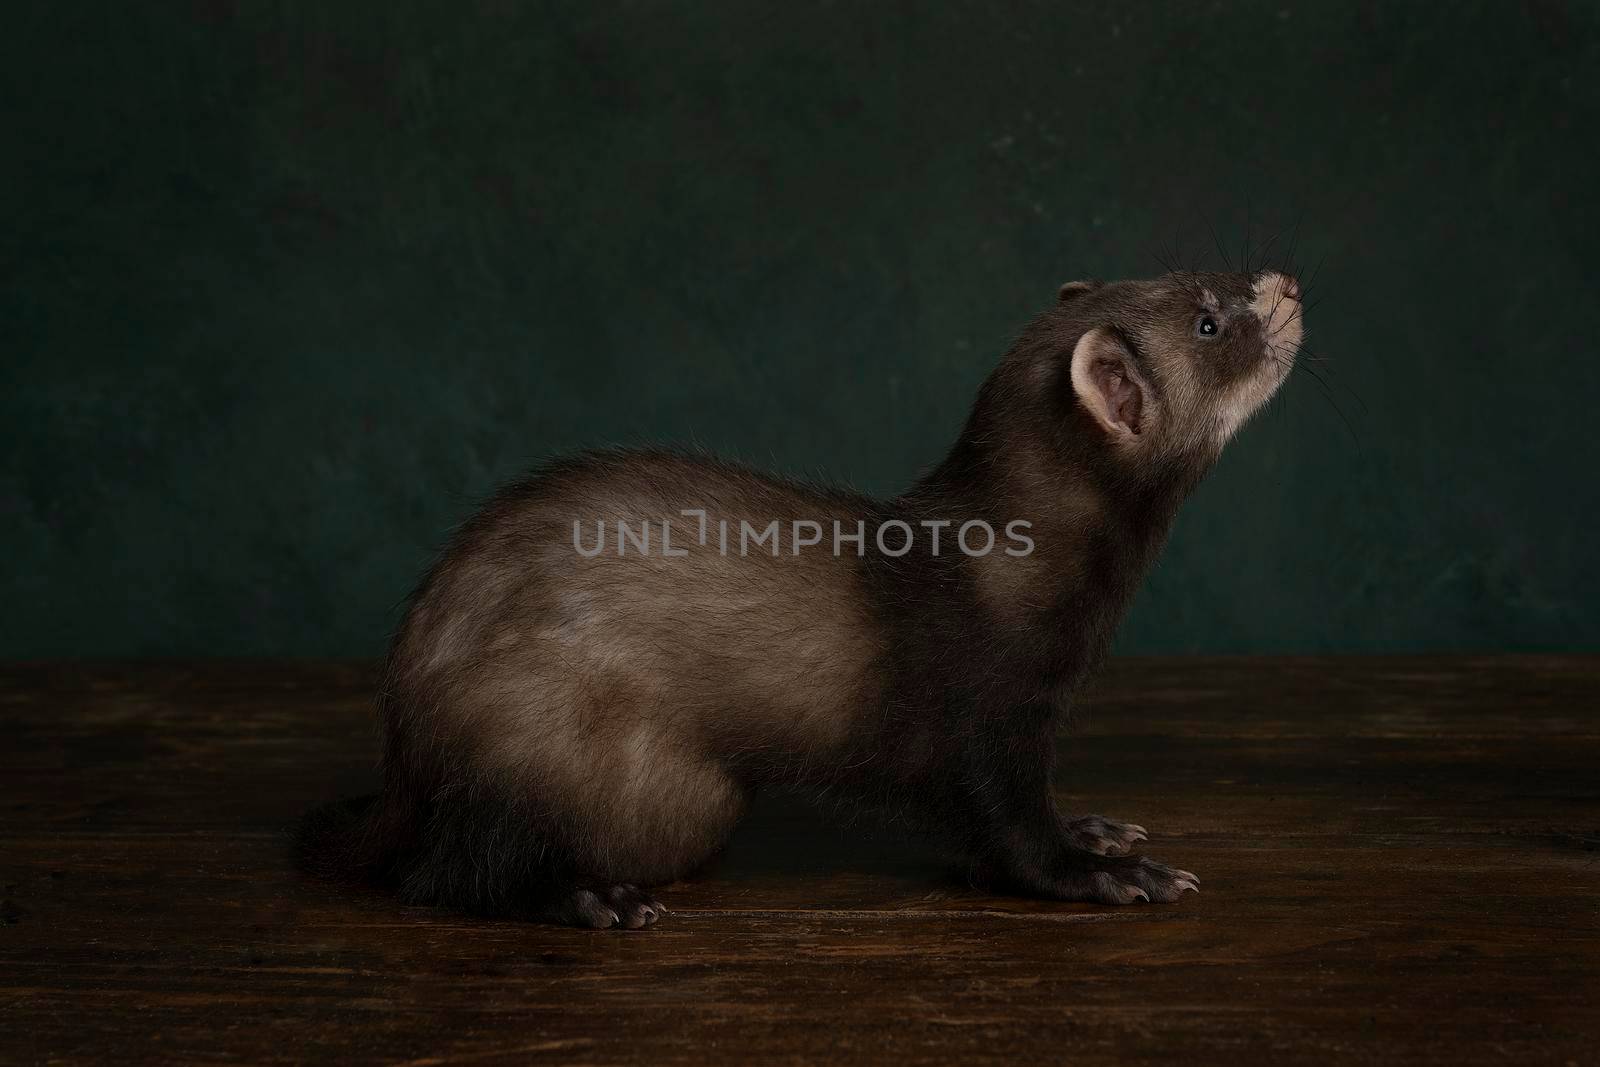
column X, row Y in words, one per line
column 1035, row 860
column 650, row 814
column 495, row 849
column 1023, row 843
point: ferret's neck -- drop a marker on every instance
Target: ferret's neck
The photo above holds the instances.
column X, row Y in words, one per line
column 1032, row 473
column 1097, row 528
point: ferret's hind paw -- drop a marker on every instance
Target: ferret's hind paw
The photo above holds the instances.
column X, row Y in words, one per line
column 1103, row 836
column 601, row 908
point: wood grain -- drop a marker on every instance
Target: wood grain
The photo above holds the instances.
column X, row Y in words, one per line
column 1400, row 861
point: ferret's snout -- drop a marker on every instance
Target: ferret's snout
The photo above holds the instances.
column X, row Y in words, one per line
column 1277, row 305
column 1287, row 286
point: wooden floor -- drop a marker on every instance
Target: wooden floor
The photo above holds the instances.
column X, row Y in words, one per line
column 1400, row 858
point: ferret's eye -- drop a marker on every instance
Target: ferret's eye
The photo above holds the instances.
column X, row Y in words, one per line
column 1206, row 327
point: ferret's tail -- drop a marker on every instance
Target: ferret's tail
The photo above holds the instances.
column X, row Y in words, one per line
column 480, row 853
column 354, row 840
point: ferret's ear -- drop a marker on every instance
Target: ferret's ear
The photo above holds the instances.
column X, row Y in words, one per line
column 1110, row 387
column 1073, row 290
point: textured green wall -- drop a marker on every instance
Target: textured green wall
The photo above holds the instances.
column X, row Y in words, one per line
column 287, row 287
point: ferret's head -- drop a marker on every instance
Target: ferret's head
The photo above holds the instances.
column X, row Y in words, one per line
column 1176, row 364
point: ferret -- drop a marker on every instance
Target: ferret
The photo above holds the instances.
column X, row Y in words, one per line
column 618, row 651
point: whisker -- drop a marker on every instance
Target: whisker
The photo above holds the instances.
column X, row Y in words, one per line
column 1226, row 262
column 1265, row 252
column 1327, row 393
column 1330, row 368
column 1244, row 254
column 1294, row 243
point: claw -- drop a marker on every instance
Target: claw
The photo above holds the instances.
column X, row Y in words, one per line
column 1186, row 886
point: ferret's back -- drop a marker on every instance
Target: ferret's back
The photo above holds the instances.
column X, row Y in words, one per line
column 585, row 600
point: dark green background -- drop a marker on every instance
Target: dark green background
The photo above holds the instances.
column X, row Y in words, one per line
column 288, row 287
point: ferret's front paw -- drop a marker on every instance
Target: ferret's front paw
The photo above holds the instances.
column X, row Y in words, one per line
column 1103, row 836
column 1135, row 880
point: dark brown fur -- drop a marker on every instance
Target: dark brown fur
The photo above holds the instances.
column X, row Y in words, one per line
column 561, row 730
